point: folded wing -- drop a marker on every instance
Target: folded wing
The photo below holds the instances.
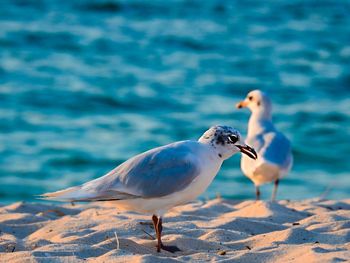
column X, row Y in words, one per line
column 155, row 173
column 273, row 147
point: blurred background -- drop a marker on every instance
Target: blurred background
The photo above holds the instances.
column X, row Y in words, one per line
column 85, row 85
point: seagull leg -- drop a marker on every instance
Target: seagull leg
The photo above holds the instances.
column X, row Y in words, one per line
column 155, row 225
column 159, row 229
column 273, row 198
column 257, row 193
column 157, row 222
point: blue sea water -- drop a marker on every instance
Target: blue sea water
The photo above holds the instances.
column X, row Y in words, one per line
column 84, row 85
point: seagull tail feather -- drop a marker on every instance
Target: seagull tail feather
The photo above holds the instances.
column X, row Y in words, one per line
column 67, row 195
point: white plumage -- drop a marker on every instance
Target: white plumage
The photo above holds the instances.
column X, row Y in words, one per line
column 273, row 148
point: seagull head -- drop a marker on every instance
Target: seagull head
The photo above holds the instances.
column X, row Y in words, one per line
column 258, row 102
column 227, row 141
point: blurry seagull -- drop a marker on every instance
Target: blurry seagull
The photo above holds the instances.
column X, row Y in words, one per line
column 159, row 179
column 274, row 149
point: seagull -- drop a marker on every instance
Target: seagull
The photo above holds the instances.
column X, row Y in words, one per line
column 157, row 180
column 274, row 149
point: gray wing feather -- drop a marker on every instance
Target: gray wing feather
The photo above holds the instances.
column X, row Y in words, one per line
column 155, row 173
column 273, row 147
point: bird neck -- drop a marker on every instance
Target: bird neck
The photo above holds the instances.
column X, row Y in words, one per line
column 259, row 122
column 218, row 152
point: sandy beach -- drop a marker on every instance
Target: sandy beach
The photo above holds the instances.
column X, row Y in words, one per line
column 216, row 230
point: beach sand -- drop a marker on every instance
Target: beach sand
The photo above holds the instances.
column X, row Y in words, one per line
column 215, row 230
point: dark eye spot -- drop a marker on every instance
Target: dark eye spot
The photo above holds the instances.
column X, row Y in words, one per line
column 250, row 98
column 232, row 138
column 258, row 103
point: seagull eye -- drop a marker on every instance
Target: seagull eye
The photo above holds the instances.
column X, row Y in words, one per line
column 232, row 138
column 250, row 98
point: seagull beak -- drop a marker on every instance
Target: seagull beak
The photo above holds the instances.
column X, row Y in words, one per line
column 241, row 104
column 248, row 151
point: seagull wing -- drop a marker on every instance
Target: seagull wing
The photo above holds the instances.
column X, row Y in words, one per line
column 155, row 173
column 273, row 147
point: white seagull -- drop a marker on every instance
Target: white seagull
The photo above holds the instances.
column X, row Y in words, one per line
column 274, row 149
column 157, row 180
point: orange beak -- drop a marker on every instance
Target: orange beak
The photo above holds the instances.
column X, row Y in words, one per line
column 241, row 104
